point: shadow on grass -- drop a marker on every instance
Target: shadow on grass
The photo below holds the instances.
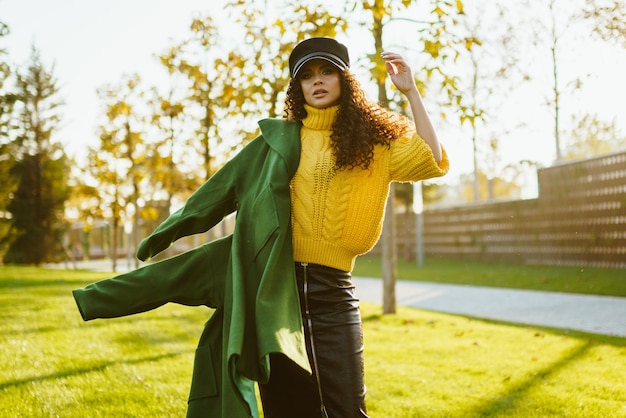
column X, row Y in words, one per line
column 517, row 391
column 126, row 320
column 76, row 372
column 507, row 404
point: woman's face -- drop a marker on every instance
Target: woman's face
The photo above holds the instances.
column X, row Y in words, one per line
column 320, row 83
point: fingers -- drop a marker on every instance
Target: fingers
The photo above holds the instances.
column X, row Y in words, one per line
column 391, row 68
column 399, row 70
column 395, row 62
column 390, row 55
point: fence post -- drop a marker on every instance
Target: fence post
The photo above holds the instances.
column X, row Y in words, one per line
column 418, row 209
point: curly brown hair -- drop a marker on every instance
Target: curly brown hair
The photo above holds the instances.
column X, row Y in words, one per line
column 360, row 124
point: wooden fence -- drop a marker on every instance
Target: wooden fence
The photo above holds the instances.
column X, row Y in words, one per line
column 579, row 218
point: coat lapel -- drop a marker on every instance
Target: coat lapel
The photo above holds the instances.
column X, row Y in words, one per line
column 284, row 138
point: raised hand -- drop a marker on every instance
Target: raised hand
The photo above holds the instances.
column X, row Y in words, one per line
column 399, row 71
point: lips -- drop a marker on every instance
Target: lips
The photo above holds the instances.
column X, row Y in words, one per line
column 319, row 92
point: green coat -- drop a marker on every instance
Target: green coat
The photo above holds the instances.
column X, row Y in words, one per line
column 248, row 277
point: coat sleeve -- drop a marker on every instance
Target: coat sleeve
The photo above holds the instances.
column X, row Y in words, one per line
column 193, row 278
column 207, row 206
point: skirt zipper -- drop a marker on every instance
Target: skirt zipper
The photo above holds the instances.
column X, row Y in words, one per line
column 309, row 323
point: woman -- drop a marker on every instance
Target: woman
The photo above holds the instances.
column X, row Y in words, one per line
column 309, row 189
column 351, row 150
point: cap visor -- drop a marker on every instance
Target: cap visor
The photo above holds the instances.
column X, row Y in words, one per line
column 307, row 58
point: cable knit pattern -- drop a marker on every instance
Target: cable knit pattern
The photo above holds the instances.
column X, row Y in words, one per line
column 337, row 215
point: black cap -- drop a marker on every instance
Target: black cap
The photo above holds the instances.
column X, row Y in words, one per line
column 318, row 48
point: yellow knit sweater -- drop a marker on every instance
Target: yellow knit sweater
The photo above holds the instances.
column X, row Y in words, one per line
column 337, row 215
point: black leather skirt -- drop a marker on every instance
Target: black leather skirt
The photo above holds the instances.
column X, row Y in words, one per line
column 334, row 336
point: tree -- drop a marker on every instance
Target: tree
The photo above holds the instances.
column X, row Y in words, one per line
column 169, row 172
column 592, row 136
column 118, row 163
column 551, row 33
column 8, row 184
column 212, row 96
column 609, row 17
column 37, row 206
column 83, row 206
column 270, row 39
column 555, row 36
column 40, row 169
column 491, row 64
column 491, row 187
column 7, row 95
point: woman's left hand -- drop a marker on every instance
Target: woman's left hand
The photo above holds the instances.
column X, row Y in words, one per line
column 402, row 77
column 399, row 71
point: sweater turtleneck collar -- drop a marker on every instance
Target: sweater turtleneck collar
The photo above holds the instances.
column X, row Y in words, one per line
column 320, row 119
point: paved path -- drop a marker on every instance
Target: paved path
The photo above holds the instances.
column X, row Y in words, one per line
column 595, row 314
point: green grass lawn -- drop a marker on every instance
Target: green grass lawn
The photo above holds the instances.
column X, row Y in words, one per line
column 418, row 363
column 587, row 280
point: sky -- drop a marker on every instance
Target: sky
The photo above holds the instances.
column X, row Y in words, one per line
column 94, row 43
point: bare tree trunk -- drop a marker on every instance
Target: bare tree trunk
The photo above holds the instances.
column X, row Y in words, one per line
column 406, row 234
column 476, row 173
column 136, row 237
column 555, row 80
column 114, row 239
column 474, row 94
column 388, row 239
column 389, row 257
